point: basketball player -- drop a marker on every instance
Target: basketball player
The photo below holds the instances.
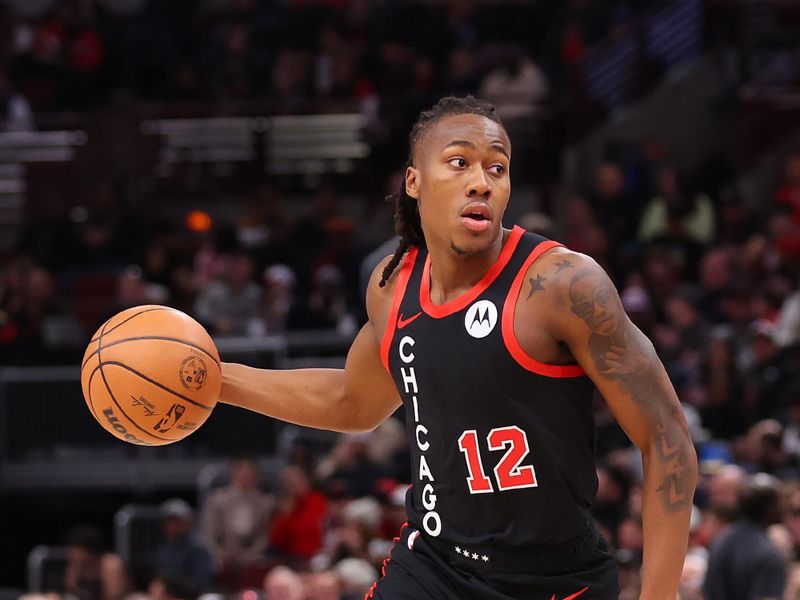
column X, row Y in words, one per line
column 494, row 340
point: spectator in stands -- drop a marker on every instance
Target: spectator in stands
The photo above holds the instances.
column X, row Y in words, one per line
column 787, row 195
column 91, row 573
column 613, row 489
column 677, row 214
column 516, row 85
column 181, row 554
column 170, row 587
column 582, row 230
column 279, row 297
column 229, row 306
column 723, row 489
column 324, row 585
column 719, row 396
column 614, row 207
column 791, row 434
column 771, row 375
column 282, row 583
column 681, row 341
column 356, row 575
column 791, row 516
column 718, row 282
column 295, row 533
column 291, row 76
column 631, row 538
column 348, row 467
column 765, row 453
column 743, row 562
column 134, row 290
column 26, row 298
column 235, row 520
column 693, row 575
column 326, row 307
column 638, row 304
column 361, row 519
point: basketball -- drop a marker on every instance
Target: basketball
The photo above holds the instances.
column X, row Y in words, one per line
column 151, row 375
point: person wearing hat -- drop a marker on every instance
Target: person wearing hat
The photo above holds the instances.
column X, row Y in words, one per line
column 181, row 554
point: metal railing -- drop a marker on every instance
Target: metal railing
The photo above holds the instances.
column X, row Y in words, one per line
column 45, row 568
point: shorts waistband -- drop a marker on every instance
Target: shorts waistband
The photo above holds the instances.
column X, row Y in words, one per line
column 530, row 559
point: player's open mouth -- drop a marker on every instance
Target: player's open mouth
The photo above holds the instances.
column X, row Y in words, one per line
column 476, row 216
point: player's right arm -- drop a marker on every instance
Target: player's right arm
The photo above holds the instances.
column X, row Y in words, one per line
column 356, row 398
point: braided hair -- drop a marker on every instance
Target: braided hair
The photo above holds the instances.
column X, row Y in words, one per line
column 406, row 216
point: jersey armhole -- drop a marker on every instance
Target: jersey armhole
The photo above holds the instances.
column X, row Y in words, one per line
column 510, row 338
column 400, row 290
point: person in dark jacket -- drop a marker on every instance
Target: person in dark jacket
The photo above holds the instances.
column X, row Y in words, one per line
column 743, row 563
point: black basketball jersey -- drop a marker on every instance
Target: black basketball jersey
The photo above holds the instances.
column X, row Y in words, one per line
column 502, row 445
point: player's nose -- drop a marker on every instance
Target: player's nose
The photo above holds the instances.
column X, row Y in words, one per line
column 478, row 184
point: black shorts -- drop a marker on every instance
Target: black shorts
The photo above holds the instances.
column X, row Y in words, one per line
column 415, row 570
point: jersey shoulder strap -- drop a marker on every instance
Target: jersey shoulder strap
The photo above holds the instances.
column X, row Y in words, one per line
column 531, row 248
column 403, row 276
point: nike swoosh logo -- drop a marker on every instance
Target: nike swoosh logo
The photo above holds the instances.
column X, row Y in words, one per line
column 573, row 596
column 403, row 322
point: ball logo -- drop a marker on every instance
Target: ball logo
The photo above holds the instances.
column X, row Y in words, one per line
column 173, row 415
column 481, row 318
column 193, row 373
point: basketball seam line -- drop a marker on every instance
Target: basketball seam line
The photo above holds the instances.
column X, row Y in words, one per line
column 153, row 337
column 99, row 366
column 157, row 384
column 89, row 390
column 141, row 312
column 108, row 387
column 122, row 410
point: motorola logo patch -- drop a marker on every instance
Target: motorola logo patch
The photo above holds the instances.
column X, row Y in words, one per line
column 481, row 318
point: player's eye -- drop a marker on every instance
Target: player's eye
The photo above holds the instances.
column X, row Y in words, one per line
column 497, row 169
column 458, row 162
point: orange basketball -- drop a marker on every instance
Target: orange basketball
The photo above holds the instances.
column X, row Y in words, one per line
column 151, row 375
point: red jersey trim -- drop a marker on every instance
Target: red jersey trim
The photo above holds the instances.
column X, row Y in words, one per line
column 437, row 311
column 386, row 561
column 510, row 338
column 400, row 290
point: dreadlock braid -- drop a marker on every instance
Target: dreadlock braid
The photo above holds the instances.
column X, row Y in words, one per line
column 406, row 216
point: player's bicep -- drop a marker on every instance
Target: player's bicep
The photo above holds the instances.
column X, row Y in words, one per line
column 369, row 388
column 616, row 355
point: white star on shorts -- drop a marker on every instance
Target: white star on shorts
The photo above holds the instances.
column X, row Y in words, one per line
column 475, row 556
column 485, row 558
column 458, row 549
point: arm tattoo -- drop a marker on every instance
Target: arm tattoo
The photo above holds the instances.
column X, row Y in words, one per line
column 629, row 360
column 536, row 285
column 564, row 264
column 672, row 488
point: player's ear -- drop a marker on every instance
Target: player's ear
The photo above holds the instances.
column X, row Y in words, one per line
column 412, row 182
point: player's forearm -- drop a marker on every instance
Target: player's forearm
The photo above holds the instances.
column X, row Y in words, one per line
column 670, row 476
column 309, row 397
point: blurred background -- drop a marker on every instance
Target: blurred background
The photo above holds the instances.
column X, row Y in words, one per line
column 230, row 158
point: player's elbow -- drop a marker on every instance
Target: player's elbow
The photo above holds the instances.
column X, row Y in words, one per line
column 362, row 419
column 354, row 413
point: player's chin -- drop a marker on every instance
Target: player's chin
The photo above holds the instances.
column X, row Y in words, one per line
column 467, row 240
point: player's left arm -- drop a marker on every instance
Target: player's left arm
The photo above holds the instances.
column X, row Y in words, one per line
column 585, row 313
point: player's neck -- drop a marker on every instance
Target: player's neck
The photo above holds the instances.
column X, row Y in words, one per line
column 452, row 274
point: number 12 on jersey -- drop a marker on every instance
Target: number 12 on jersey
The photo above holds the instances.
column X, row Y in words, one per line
column 508, row 473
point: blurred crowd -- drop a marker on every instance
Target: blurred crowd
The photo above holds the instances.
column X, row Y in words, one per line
column 713, row 281
column 320, row 533
column 83, row 53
